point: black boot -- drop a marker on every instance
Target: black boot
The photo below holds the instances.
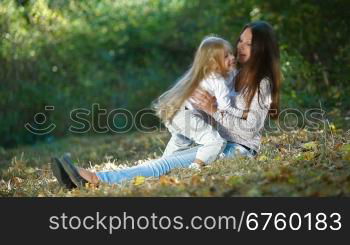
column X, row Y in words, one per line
column 72, row 171
column 61, row 175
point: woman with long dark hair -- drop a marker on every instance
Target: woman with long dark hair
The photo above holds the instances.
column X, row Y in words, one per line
column 255, row 89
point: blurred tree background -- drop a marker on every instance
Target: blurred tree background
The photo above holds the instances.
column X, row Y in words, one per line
column 124, row 53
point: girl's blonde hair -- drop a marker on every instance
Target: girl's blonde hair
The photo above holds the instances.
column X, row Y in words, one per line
column 209, row 58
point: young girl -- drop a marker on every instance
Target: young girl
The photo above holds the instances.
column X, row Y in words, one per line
column 212, row 69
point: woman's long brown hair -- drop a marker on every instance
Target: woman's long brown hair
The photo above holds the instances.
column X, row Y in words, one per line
column 264, row 62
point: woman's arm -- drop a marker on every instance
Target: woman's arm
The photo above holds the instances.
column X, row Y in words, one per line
column 251, row 121
column 203, row 99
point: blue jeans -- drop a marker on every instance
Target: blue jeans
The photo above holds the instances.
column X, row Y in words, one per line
column 161, row 166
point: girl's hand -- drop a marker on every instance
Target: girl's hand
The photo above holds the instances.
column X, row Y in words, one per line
column 204, row 101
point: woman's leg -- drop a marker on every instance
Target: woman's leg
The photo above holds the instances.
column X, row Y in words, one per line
column 154, row 168
column 88, row 175
column 233, row 150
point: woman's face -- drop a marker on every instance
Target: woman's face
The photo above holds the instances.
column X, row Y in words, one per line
column 244, row 46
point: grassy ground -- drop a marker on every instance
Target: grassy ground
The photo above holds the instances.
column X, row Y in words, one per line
column 298, row 163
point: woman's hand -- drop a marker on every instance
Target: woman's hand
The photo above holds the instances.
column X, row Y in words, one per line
column 204, row 101
column 245, row 114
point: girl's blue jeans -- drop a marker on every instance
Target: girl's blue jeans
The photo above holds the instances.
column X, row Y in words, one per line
column 161, row 166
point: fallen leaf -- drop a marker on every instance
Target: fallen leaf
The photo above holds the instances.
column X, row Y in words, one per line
column 332, row 127
column 195, row 180
column 30, row 170
column 166, row 180
column 282, row 150
column 139, row 180
column 278, row 158
column 338, row 146
column 262, row 158
column 310, row 146
column 16, row 181
column 90, row 186
column 309, row 155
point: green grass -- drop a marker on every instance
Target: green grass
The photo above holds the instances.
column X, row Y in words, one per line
column 298, row 163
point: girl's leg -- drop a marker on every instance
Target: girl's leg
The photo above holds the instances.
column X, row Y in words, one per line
column 194, row 127
column 177, row 143
column 154, row 168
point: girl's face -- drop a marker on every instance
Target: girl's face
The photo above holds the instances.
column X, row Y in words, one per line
column 244, row 46
column 229, row 60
